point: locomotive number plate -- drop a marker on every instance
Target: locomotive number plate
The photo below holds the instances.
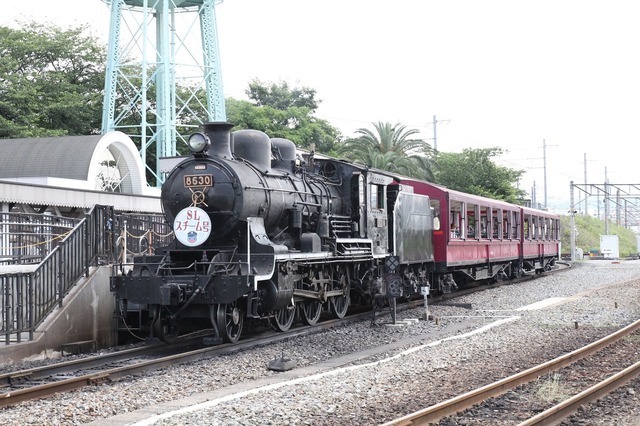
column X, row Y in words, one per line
column 197, row 181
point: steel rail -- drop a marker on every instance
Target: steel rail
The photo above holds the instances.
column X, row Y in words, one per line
column 467, row 400
column 571, row 405
column 114, row 374
column 16, row 378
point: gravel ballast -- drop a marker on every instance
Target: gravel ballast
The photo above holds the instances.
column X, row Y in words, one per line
column 360, row 374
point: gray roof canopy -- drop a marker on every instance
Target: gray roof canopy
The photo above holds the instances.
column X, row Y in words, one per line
column 62, row 157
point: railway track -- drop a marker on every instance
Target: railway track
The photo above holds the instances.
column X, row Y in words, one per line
column 40, row 382
column 571, row 361
column 44, row 381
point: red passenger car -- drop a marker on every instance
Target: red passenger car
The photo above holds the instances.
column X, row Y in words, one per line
column 477, row 238
column 540, row 239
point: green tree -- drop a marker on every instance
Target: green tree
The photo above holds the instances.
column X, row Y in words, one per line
column 280, row 96
column 393, row 148
column 474, row 172
column 51, row 81
column 282, row 112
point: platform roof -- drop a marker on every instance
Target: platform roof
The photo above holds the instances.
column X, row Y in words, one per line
column 62, row 157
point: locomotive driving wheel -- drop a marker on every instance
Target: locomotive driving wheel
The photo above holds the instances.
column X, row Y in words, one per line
column 284, row 318
column 339, row 304
column 229, row 320
column 311, row 309
column 165, row 327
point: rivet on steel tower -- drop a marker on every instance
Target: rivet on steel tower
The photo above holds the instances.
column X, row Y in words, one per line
column 163, row 62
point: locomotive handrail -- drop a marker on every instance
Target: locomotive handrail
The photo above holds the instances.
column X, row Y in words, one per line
column 183, row 268
column 290, row 191
column 194, row 265
column 306, row 203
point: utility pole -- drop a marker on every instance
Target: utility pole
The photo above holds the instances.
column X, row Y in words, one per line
column 586, row 198
column 435, row 135
column 606, row 203
column 435, row 131
column 534, row 195
column 618, row 205
column 572, row 231
column 544, row 157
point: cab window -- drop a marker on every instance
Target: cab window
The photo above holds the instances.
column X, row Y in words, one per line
column 377, row 197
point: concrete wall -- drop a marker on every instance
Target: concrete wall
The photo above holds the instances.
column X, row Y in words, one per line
column 86, row 315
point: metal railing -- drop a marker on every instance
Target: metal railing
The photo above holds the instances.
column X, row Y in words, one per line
column 28, row 297
column 60, row 255
column 27, row 238
column 140, row 235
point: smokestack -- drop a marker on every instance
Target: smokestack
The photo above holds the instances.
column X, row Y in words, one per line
column 219, row 133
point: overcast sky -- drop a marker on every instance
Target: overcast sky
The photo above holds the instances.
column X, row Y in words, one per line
column 506, row 73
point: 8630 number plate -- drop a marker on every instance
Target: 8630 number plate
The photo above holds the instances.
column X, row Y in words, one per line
column 197, row 181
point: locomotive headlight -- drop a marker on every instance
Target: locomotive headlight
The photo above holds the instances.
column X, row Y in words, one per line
column 198, row 143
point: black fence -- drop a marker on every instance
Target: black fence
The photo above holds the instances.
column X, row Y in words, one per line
column 139, row 235
column 46, row 256
column 28, row 238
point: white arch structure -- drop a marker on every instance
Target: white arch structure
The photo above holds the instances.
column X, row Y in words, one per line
column 125, row 170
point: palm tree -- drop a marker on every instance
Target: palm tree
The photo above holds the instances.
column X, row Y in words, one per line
column 391, row 148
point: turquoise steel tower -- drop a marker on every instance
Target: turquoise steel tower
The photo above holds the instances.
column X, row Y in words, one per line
column 163, row 74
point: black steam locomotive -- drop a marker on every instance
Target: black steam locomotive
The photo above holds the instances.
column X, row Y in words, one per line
column 263, row 231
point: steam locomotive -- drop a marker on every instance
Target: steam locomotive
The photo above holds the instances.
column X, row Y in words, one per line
column 264, row 231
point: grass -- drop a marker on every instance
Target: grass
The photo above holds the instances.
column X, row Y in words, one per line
column 552, row 389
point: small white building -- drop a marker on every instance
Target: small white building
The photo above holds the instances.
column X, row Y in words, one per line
column 610, row 246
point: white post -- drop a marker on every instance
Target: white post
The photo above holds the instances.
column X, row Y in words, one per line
column 425, row 292
column 124, row 243
column 5, row 239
